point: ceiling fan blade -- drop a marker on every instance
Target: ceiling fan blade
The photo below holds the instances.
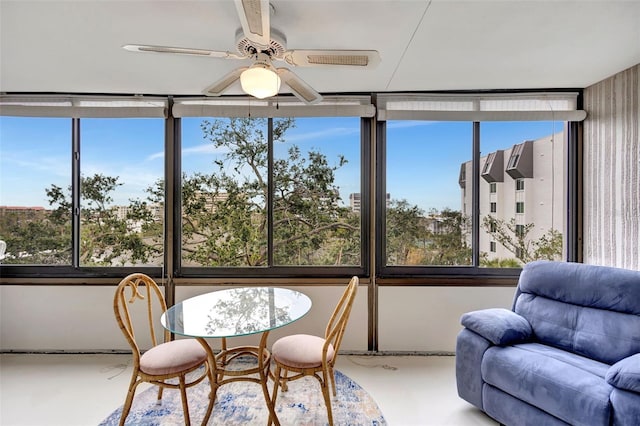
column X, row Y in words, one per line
column 312, row 58
column 181, row 51
column 254, row 18
column 218, row 88
column 301, row 89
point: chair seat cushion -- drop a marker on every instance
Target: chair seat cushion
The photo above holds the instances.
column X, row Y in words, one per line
column 301, row 351
column 172, row 357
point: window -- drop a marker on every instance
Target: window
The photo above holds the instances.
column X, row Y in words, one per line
column 35, row 170
column 267, row 192
column 521, row 161
column 122, row 205
column 118, row 225
column 224, row 192
column 314, row 216
column 519, row 243
column 538, row 234
column 78, row 206
column 502, row 150
column 317, row 174
column 493, row 169
column 425, row 223
column 267, row 188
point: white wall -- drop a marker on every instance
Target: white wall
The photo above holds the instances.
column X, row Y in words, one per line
column 80, row 318
column 427, row 319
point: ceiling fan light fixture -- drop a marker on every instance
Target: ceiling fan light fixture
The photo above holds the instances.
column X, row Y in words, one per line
column 260, row 81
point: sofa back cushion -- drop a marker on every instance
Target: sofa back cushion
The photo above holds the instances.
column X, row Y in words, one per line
column 590, row 310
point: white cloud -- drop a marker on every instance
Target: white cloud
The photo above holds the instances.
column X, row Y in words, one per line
column 207, row 149
column 401, row 124
column 329, row 132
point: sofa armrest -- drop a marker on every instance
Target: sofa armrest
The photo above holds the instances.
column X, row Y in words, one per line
column 625, row 374
column 497, row 325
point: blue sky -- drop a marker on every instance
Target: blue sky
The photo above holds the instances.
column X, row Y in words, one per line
column 423, row 158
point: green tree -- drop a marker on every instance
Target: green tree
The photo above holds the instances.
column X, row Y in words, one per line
column 44, row 237
column 406, row 232
column 225, row 212
column 516, row 238
column 448, row 242
column 416, row 239
column 35, row 237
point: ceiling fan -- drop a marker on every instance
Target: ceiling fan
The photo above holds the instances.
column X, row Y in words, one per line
column 256, row 40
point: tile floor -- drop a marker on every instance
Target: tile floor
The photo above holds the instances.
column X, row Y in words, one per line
column 69, row 390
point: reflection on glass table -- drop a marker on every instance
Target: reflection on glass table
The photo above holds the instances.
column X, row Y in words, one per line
column 232, row 313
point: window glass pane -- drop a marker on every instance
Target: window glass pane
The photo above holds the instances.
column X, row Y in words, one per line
column 121, row 192
column 317, row 177
column 224, row 191
column 35, row 170
column 429, row 183
column 316, row 170
column 524, row 216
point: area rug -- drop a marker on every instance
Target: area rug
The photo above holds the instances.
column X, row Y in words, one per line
column 242, row 403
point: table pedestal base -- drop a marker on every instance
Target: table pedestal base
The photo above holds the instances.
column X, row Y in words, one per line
column 220, row 374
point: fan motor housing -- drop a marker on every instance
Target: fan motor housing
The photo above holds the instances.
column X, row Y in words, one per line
column 277, row 45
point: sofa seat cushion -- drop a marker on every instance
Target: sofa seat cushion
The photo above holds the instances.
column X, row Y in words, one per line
column 597, row 368
column 626, row 408
column 567, row 386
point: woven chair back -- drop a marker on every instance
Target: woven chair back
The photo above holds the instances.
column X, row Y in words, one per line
column 137, row 304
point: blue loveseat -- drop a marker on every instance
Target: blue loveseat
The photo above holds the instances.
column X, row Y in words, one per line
column 567, row 353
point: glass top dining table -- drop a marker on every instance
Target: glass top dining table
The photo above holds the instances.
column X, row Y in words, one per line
column 232, row 313
column 236, row 312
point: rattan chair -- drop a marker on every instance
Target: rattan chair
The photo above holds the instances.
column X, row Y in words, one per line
column 306, row 355
column 162, row 362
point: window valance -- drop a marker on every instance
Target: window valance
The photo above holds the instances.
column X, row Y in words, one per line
column 542, row 106
column 83, row 106
column 280, row 106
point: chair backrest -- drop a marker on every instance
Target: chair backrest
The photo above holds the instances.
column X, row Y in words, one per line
column 338, row 322
column 144, row 290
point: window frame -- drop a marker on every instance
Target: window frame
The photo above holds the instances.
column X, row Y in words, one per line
column 373, row 141
column 462, row 275
column 287, row 271
column 75, row 269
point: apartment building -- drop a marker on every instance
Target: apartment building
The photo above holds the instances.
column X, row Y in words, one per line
column 523, row 183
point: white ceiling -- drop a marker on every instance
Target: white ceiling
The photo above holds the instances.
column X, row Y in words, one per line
column 75, row 46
